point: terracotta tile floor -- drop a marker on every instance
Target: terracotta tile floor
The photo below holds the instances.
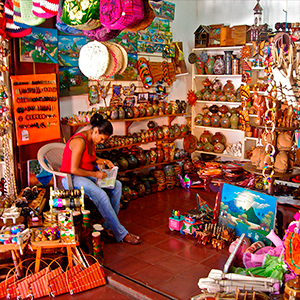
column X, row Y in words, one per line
column 165, row 261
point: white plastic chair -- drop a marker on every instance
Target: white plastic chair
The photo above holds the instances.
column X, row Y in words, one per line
column 53, row 153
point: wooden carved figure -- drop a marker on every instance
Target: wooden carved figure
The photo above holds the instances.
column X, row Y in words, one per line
column 259, row 104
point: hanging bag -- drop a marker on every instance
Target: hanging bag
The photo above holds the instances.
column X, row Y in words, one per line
column 120, row 14
column 83, row 15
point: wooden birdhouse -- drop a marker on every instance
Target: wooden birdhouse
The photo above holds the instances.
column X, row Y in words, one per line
column 253, row 33
column 201, row 36
column 215, row 35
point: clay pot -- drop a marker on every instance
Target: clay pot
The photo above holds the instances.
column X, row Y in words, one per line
column 132, row 161
column 218, row 137
column 129, row 112
column 153, row 156
column 142, row 111
column 121, row 113
column 136, row 112
column 228, row 87
column 184, row 129
column 160, row 154
column 141, row 157
column 123, row 163
column 219, row 148
column 206, row 137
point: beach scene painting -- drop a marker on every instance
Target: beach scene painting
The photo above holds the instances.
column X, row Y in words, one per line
column 68, row 49
column 248, row 212
column 40, row 46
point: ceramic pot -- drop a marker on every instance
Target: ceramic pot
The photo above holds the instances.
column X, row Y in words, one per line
column 129, row 112
column 142, row 110
column 141, row 189
column 168, row 109
column 136, row 112
column 208, row 147
column 160, row 154
column 149, row 110
column 147, row 185
column 123, row 163
column 206, row 121
column 225, row 121
column 177, row 131
column 114, row 113
column 121, row 113
column 218, row 137
column 228, row 87
column 147, row 157
column 171, row 131
column 166, row 131
column 217, row 85
column 234, row 121
column 215, row 120
column 175, row 108
column 132, row 161
column 166, row 149
column 172, row 151
column 206, row 137
column 161, row 108
column 153, row 156
column 160, row 133
column 198, row 119
column 219, row 66
column 155, row 109
column 183, row 106
column 141, row 157
column 184, row 129
column 219, row 148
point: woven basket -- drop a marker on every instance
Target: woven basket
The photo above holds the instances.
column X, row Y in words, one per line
column 125, row 58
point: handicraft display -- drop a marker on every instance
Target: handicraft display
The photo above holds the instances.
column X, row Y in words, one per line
column 36, row 109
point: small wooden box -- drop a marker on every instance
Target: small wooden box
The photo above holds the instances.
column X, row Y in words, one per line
column 226, row 38
column 215, row 35
column 241, row 34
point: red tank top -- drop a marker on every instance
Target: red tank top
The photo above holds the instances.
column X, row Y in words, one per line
column 86, row 160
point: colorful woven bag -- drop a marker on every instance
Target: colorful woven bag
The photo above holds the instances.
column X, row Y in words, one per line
column 120, row 14
column 83, row 15
column 101, row 34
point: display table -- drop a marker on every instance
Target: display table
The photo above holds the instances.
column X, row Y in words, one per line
column 39, row 246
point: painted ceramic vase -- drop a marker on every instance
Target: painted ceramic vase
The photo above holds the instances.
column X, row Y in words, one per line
column 234, row 120
column 155, row 109
column 209, row 65
column 168, row 109
column 160, row 154
column 160, row 133
column 149, row 110
column 141, row 157
column 177, row 131
column 217, row 85
column 206, row 137
column 218, row 137
column 142, row 111
column 166, row 131
column 215, row 120
column 114, row 113
column 206, row 120
column 129, row 112
column 132, row 161
column 153, row 156
column 136, row 112
column 219, row 148
column 123, row 163
column 200, row 67
column 228, row 87
column 225, row 121
column 219, row 66
column 121, row 113
column 198, row 119
column 208, row 147
column 228, row 62
column 184, row 129
column 183, row 106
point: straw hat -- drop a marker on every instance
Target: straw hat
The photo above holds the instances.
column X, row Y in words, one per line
column 94, row 59
column 125, row 58
column 116, row 59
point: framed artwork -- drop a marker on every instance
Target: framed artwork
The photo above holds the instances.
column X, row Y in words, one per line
column 128, row 40
column 68, row 49
column 248, row 212
column 41, row 46
column 116, row 97
column 143, row 97
column 131, row 71
column 72, row 81
column 36, row 175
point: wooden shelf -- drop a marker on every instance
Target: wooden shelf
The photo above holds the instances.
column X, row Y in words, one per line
column 152, row 165
column 217, row 128
column 140, row 143
column 218, row 154
column 276, row 128
column 128, row 122
column 214, row 75
column 220, row 102
column 226, row 48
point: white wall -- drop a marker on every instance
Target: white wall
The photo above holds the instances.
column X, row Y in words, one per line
column 189, row 14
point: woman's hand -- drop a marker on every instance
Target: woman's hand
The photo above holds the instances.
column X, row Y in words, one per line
column 100, row 174
column 109, row 164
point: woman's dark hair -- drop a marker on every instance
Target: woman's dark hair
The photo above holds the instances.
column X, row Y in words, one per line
column 103, row 125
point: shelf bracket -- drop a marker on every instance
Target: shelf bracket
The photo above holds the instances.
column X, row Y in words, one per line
column 127, row 125
column 170, row 119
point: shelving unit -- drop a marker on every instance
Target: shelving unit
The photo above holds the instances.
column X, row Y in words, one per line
column 232, row 135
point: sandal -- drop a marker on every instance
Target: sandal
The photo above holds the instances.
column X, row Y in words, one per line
column 131, row 239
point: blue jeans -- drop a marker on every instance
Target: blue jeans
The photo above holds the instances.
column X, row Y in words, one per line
column 107, row 202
